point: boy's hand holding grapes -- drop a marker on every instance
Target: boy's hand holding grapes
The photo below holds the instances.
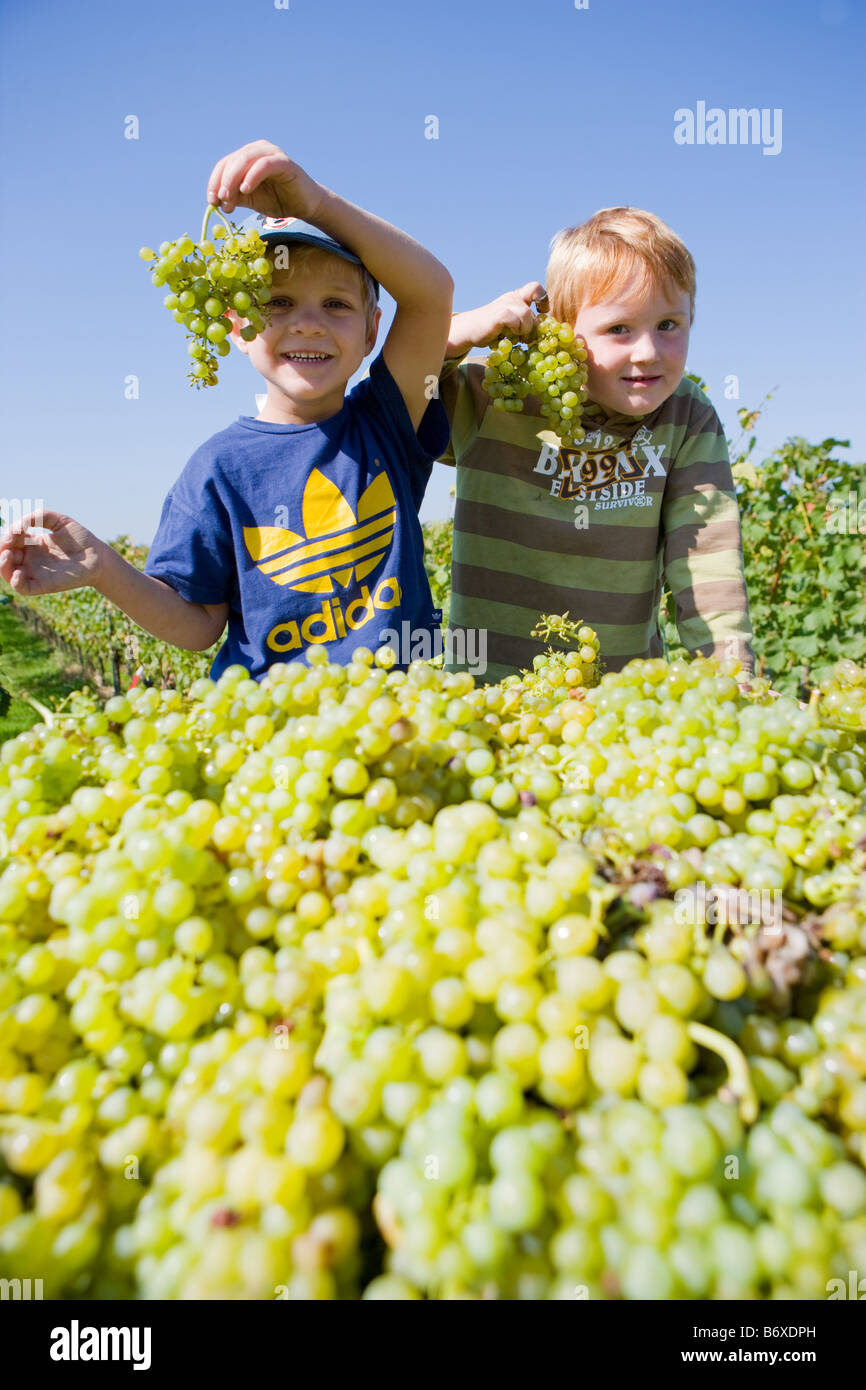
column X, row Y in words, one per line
column 261, row 176
column 511, row 313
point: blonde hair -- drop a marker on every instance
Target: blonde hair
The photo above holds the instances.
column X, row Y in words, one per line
column 300, row 252
column 593, row 261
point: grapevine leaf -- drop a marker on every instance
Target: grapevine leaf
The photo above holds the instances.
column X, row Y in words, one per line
column 745, row 472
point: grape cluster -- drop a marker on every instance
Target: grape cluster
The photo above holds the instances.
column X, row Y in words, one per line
column 229, row 270
column 842, row 696
column 358, row 982
column 575, row 665
column 551, row 366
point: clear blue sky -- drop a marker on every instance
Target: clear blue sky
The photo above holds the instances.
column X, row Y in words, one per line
column 546, row 113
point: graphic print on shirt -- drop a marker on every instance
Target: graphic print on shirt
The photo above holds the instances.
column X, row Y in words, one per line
column 336, row 550
column 337, row 545
column 602, row 475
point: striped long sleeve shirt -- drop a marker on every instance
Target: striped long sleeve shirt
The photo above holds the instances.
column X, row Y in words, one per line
column 595, row 530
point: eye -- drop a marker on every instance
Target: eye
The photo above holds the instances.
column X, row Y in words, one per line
column 672, row 323
column 341, row 303
column 616, row 327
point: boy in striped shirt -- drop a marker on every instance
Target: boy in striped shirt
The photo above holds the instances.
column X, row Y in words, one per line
column 646, row 497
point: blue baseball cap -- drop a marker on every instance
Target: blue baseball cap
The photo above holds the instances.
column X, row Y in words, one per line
column 282, row 231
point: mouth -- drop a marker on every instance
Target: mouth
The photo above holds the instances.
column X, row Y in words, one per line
column 641, row 380
column 306, row 358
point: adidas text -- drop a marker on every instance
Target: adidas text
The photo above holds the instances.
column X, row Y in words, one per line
column 332, row 620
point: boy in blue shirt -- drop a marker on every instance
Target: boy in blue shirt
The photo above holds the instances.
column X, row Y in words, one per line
column 298, row 526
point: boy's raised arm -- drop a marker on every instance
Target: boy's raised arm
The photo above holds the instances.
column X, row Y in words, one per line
column 422, row 287
column 262, row 176
column 509, row 313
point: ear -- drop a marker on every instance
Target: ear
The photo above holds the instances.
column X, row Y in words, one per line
column 373, row 333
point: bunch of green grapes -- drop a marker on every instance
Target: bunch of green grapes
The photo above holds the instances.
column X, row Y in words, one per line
column 205, row 280
column 843, row 695
column 578, row 667
column 551, row 366
column 831, row 1052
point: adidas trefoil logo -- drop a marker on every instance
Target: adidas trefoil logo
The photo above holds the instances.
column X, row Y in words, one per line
column 338, row 547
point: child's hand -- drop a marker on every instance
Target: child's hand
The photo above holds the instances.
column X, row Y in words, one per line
column 511, row 313
column 261, row 176
column 69, row 557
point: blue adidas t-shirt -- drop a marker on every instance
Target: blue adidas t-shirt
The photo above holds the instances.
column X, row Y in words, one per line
column 310, row 533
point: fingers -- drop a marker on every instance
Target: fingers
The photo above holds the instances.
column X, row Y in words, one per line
column 214, row 183
column 260, row 170
column 51, row 521
column 20, row 584
column 12, row 542
column 234, row 169
column 246, row 153
column 528, row 322
column 15, row 552
column 222, row 184
column 16, row 530
column 532, row 292
column 11, row 570
column 9, row 563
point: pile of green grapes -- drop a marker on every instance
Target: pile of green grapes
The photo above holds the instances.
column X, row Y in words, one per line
column 205, row 279
column 552, row 366
column 368, row 983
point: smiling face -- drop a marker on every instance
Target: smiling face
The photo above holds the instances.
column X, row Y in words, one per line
column 318, row 335
column 636, row 346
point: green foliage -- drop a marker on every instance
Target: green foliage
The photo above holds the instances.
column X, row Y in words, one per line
column 437, row 561
column 806, row 561
column 805, row 557
column 27, row 664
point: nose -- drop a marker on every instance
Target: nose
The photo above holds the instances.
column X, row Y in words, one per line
column 304, row 318
column 644, row 349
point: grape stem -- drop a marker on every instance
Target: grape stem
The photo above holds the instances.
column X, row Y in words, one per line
column 46, row 714
column 739, row 1076
column 212, row 207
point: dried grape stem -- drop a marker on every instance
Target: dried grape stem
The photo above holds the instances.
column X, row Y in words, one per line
column 739, row 1076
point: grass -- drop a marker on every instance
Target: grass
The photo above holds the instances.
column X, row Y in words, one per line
column 29, row 665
